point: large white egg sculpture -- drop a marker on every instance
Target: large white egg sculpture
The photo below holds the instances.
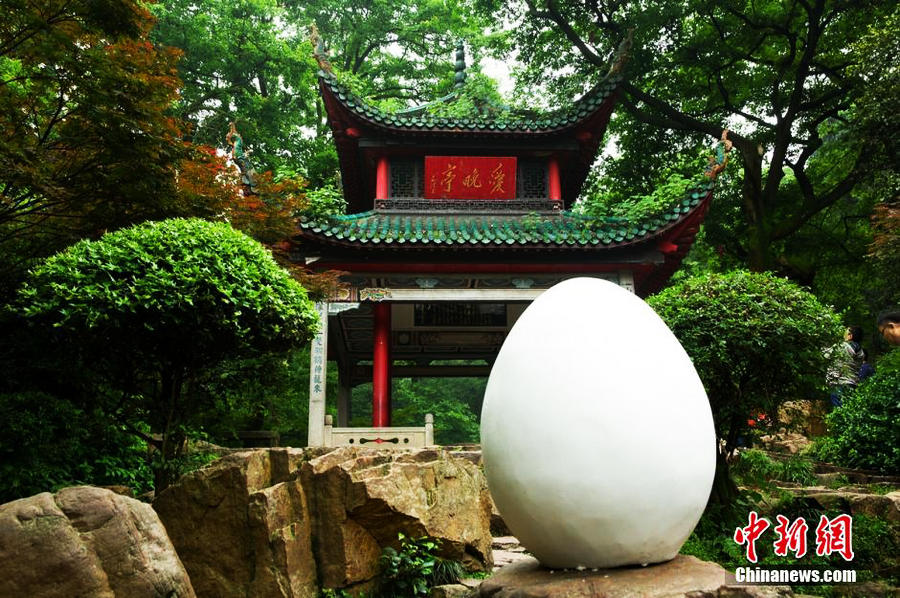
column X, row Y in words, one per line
column 596, row 433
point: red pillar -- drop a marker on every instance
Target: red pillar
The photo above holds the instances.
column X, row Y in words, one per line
column 381, row 367
column 381, row 178
column 553, row 176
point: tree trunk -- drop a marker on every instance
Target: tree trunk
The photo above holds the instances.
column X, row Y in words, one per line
column 759, row 241
column 173, row 439
column 724, row 490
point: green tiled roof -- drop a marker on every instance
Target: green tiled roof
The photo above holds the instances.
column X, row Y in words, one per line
column 564, row 229
column 417, row 119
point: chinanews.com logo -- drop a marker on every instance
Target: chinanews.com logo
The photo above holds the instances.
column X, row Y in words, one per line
column 832, row 536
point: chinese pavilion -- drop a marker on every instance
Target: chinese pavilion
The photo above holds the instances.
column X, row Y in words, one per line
column 454, row 225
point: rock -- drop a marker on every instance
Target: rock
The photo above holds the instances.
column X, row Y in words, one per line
column 498, row 526
column 804, row 416
column 869, row 589
column 854, row 476
column 281, row 523
column 118, row 489
column 785, row 442
column 455, row 590
column 684, row 576
column 507, row 550
column 86, row 542
column 361, row 499
column 242, row 528
column 882, row 506
column 746, row 592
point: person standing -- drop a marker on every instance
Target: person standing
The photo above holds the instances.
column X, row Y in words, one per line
column 844, row 374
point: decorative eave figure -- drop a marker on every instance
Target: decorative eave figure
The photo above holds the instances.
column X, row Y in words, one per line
column 241, row 157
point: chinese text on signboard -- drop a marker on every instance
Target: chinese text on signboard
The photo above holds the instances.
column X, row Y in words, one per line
column 470, row 177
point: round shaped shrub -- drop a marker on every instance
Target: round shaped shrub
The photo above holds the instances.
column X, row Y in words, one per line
column 180, row 292
column 144, row 313
column 756, row 340
column 864, row 431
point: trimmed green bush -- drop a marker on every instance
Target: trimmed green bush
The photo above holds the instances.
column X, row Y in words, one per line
column 756, row 340
column 864, row 432
column 148, row 310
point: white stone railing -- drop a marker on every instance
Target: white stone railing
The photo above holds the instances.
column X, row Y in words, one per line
column 411, row 437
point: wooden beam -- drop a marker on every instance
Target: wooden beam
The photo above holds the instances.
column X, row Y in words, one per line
column 364, row 372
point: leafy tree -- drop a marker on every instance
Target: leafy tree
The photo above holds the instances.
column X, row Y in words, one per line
column 454, row 402
column 756, row 341
column 86, row 143
column 878, row 112
column 243, row 61
column 399, row 50
column 252, row 62
column 780, row 73
column 147, row 311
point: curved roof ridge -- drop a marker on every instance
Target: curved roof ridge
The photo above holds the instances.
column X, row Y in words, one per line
column 418, row 116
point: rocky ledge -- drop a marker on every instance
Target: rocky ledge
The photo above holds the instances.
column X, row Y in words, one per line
column 283, row 522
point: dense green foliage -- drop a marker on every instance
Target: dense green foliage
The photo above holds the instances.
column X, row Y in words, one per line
column 146, row 312
column 755, row 468
column 252, row 62
column 85, row 141
column 279, row 387
column 323, row 202
column 241, row 63
column 177, row 292
column 454, row 402
column 637, row 207
column 756, row 340
column 47, row 443
column 864, row 432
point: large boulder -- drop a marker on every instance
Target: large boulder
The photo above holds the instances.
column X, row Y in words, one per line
column 361, row 499
column 86, row 542
column 282, row 522
column 242, row 528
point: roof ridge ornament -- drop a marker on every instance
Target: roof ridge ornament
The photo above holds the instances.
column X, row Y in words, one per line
column 319, row 52
column 459, row 78
column 719, row 160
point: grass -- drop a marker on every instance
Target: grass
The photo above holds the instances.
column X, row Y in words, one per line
column 757, row 469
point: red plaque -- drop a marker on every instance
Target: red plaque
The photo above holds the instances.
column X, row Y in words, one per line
column 470, row 177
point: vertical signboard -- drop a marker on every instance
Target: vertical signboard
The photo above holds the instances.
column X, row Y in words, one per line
column 318, row 360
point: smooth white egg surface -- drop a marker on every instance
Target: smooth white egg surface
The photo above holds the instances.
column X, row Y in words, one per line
column 596, row 433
